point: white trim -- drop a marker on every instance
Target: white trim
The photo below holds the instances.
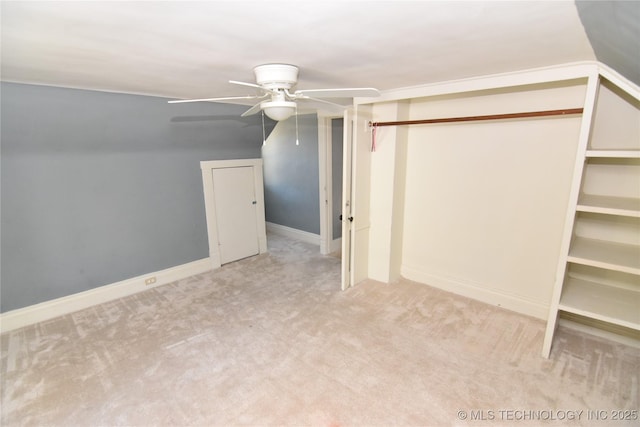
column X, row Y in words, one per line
column 325, row 167
column 293, row 233
column 345, row 208
column 620, row 81
column 324, row 182
column 591, row 96
column 476, row 291
column 21, row 317
column 561, row 72
column 336, row 245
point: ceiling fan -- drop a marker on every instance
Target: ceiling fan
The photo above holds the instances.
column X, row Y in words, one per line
column 276, row 81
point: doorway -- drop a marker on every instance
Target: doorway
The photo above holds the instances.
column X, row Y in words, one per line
column 330, row 155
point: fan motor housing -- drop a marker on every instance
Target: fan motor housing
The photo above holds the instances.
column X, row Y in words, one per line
column 276, row 76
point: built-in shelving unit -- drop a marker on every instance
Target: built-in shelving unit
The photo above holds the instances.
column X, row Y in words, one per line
column 603, row 254
column 623, row 206
column 616, row 154
column 606, row 303
column 598, row 275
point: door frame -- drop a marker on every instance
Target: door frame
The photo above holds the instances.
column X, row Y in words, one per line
column 356, row 165
column 325, row 183
column 346, row 274
column 210, row 205
column 356, row 197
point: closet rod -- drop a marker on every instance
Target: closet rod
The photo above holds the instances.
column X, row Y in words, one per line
column 476, row 118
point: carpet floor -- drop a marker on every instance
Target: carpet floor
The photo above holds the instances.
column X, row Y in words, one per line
column 272, row 341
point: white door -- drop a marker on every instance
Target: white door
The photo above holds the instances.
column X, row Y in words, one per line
column 235, row 207
column 347, row 150
column 356, row 196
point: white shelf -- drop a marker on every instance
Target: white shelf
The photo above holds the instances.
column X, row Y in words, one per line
column 606, row 303
column 612, row 256
column 598, row 281
column 620, row 154
column 623, row 206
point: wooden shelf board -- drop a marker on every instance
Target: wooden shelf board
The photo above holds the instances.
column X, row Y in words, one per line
column 624, row 206
column 622, row 154
column 606, row 303
column 602, row 254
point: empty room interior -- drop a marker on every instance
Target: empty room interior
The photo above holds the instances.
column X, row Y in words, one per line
column 327, row 213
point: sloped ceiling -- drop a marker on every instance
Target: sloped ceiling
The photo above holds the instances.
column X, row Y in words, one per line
column 191, row 49
column 613, row 28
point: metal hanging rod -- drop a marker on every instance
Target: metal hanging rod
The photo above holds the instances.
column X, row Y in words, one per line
column 529, row 114
column 476, row 118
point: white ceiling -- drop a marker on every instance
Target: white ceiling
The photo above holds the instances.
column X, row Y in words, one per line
column 191, row 49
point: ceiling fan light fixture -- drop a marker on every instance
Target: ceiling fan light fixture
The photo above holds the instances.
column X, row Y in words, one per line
column 278, row 110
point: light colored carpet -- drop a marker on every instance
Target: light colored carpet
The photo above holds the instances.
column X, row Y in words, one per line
column 271, row 340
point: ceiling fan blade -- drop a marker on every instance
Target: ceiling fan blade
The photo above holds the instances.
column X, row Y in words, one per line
column 266, row 89
column 252, row 110
column 320, row 104
column 351, row 92
column 227, row 98
column 235, row 82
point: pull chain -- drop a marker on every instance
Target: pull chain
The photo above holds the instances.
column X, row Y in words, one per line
column 373, row 137
column 297, row 141
column 264, row 139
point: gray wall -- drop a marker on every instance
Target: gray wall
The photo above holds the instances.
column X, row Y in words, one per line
column 100, row 187
column 291, row 175
column 613, row 29
column 337, row 126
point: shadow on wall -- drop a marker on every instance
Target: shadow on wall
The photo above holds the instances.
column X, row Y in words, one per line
column 246, row 122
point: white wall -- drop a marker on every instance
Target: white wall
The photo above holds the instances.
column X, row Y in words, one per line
column 484, row 202
column 388, row 166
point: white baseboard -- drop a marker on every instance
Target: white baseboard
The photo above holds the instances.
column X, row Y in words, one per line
column 15, row 319
column 336, row 245
column 333, row 246
column 293, row 233
column 475, row 291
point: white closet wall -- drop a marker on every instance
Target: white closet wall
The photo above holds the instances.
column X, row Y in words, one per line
column 502, row 210
column 486, row 201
